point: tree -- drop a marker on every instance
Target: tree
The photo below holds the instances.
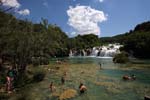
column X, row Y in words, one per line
column 21, row 41
column 121, row 58
column 136, row 42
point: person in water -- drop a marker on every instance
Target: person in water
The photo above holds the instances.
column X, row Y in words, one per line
column 65, row 73
column 133, row 77
column 127, row 77
column 62, row 80
column 52, row 87
column 100, row 65
column 82, row 88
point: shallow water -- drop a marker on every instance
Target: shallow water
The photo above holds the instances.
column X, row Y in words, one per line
column 110, row 85
column 104, row 84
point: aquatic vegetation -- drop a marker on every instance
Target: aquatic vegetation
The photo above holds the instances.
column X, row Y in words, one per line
column 100, row 83
column 67, row 94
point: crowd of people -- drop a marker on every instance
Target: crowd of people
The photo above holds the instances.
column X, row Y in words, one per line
column 82, row 87
column 11, row 77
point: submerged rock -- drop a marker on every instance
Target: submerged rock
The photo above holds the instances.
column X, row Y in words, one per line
column 67, row 94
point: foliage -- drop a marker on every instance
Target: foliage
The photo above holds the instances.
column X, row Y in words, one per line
column 84, row 41
column 136, row 42
column 4, row 96
column 22, row 40
column 22, row 80
column 38, row 76
column 145, row 26
column 2, row 78
column 121, row 58
column 40, row 61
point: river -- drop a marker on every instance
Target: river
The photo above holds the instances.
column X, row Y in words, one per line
column 102, row 84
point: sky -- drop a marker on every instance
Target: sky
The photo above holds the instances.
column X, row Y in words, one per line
column 74, row 17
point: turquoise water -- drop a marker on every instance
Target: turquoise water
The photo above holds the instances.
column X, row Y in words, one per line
column 111, row 87
column 102, row 84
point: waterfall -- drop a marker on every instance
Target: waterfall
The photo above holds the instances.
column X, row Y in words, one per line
column 102, row 51
column 70, row 54
column 94, row 52
column 84, row 53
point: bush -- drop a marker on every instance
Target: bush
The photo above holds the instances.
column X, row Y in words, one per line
column 22, row 80
column 44, row 61
column 121, row 58
column 40, row 61
column 38, row 76
column 2, row 79
column 4, row 96
column 35, row 61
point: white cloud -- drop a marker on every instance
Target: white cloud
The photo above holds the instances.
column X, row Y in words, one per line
column 85, row 20
column 15, row 4
column 11, row 3
column 24, row 12
column 101, row 0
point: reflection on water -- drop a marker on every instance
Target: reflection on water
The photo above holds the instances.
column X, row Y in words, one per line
column 105, row 84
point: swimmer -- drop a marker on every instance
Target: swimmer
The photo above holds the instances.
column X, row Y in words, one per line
column 52, row 87
column 82, row 88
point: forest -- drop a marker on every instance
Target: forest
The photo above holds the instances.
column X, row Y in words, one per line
column 23, row 42
column 136, row 41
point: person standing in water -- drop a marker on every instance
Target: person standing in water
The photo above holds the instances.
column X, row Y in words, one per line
column 82, row 88
column 52, row 87
column 100, row 65
column 62, row 80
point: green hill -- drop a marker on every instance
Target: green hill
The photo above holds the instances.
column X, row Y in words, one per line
column 136, row 42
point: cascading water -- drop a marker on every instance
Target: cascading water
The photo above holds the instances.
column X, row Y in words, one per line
column 83, row 53
column 70, row 54
column 102, row 51
column 94, row 52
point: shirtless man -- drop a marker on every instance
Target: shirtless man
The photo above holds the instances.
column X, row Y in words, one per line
column 52, row 87
column 82, row 88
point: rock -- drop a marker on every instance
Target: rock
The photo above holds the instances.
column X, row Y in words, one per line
column 147, row 98
column 67, row 94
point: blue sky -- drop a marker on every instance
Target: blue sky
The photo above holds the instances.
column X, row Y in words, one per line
column 101, row 17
